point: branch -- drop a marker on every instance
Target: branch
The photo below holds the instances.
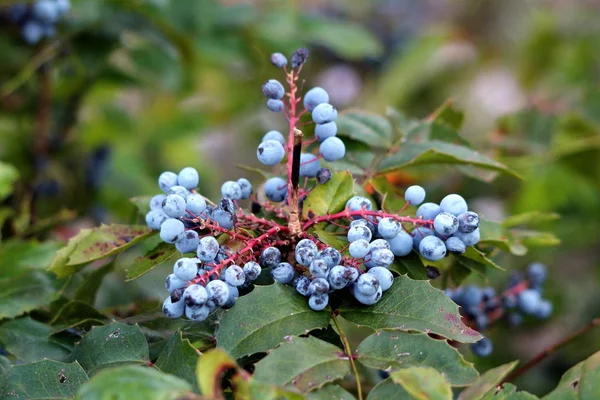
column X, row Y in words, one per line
column 549, row 350
column 347, row 214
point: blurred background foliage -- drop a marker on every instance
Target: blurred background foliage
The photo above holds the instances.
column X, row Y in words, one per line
column 128, row 89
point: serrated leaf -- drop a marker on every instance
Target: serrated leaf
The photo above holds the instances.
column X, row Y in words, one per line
column 179, row 358
column 423, row 383
column 436, row 152
column 269, row 325
column 163, row 252
column 93, row 244
column 487, row 382
column 109, row 345
column 529, row 218
column 330, row 197
column 412, row 305
column 45, row 379
column 329, row 392
column 133, row 382
column 8, row 176
column 25, row 292
column 509, row 392
column 581, row 381
column 210, row 370
column 142, row 203
column 393, row 350
column 366, row 127
column 305, row 363
column 29, row 340
column 387, row 389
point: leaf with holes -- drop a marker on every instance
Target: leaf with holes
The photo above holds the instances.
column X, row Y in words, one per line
column 487, row 382
column 179, row 358
column 330, row 197
column 269, row 325
column 110, row 345
column 412, row 305
column 581, row 381
column 393, row 350
column 45, row 379
column 210, row 370
column 423, row 383
column 305, row 363
column 508, row 392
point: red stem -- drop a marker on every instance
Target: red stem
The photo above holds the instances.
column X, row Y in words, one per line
column 347, row 214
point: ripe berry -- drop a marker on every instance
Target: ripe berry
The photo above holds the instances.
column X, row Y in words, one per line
column 235, row 276
column 469, row 239
column 428, row 211
column 270, row 152
column 401, row 244
column 188, row 178
column 276, row 189
column 171, row 230
column 359, row 248
column 166, row 180
column 270, row 257
column 332, row 149
column 274, row 135
column 384, row 276
column 314, row 97
column 324, row 113
column 359, row 232
column 483, row 348
column 173, row 310
column 309, row 165
column 432, row 248
column 208, row 247
column 231, row 190
column 414, row 195
column 388, row 228
column 195, row 204
column 195, row 296
column 174, row 206
column 445, row 224
column 318, row 302
column 275, row 105
column 455, row 245
column 188, row 243
column 252, row 270
column 299, row 57
column 278, row 60
column 273, row 89
column 357, row 203
column 324, row 131
column 468, row 222
column 453, row 204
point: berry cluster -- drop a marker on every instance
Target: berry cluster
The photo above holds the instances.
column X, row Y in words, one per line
column 215, row 275
column 481, row 307
column 38, row 20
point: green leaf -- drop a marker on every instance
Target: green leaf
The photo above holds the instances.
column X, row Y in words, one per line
column 412, row 305
column 581, row 381
column 423, row 383
column 447, row 114
column 19, row 255
column 330, row 197
column 387, row 389
column 305, row 363
column 86, row 293
column 269, row 326
column 163, row 252
column 31, row 341
column 348, row 40
column 8, row 176
column 474, row 255
column 529, row 218
column 487, row 382
column 508, row 392
column 94, row 244
column 112, row 344
column 210, row 371
column 393, row 350
column 43, row 380
column 410, row 264
column 438, row 152
column 329, row 392
column 179, row 358
column 76, row 313
column 366, row 127
column 133, row 382
column 25, row 292
column 142, row 203
column 496, row 235
column 263, row 391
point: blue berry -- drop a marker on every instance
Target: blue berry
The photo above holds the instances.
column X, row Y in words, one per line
column 351, row 274
column 273, row 89
column 274, row 135
column 471, row 296
column 45, row 11
column 388, row 228
column 173, row 310
column 218, row 292
column 379, row 244
column 223, row 218
column 324, row 113
column 314, row 97
column 299, row 57
column 174, row 206
column 208, row 247
column 188, row 242
column 276, row 189
column 331, row 256
column 270, row 152
column 270, row 257
column 414, row 195
column 246, row 187
column 305, row 252
column 337, row 277
column 62, row 6
column 173, row 282
column 455, row 245
column 509, row 301
column 360, row 248
column 16, row 12
column 514, row 319
column 166, row 180
column 528, row 301
column 195, row 204
column 155, row 218
column 319, row 268
column 231, row 190
column 235, row 276
column 318, row 302
column 195, row 296
column 445, row 224
column 367, row 284
column 536, row 273
column 384, row 276
column 432, row 248
column 278, row 60
column 428, row 211
column 234, row 293
column 325, row 131
column 179, row 191
column 197, row 314
column 359, row 232
column 361, row 221
column 252, row 270
column 419, row 234
column 357, row 203
column 543, row 310
column 301, row 284
column 309, row 165
column 32, row 32
column 453, row 204
column 483, row 348
column 156, row 202
column 469, row 239
column 283, row 272
column 401, row 244
column 367, row 300
column 318, row 286
column 171, row 230
column 275, row 105
column 468, row 222
column 188, row 178
column 382, row 257
column 185, row 269
column 332, row 149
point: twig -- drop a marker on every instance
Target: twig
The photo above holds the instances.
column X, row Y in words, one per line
column 348, row 351
column 549, row 350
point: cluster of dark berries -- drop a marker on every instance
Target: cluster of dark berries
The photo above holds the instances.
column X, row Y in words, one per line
column 481, row 307
column 38, row 20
